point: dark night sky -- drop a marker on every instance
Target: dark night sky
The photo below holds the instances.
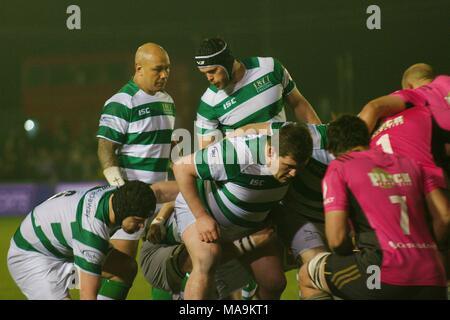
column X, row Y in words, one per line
column 313, row 39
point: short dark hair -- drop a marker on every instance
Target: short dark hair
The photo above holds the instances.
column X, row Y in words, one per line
column 134, row 198
column 346, row 133
column 295, row 141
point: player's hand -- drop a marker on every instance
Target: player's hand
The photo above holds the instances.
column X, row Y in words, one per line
column 207, row 228
column 156, row 231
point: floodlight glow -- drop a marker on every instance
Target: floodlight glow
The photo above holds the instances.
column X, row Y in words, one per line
column 29, row 125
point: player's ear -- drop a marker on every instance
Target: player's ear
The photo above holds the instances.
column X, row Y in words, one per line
column 138, row 67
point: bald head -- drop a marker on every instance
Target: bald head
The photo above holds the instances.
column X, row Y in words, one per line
column 152, row 67
column 417, row 75
column 149, row 51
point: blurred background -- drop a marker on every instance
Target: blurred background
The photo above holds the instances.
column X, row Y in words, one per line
column 54, row 81
column 58, row 79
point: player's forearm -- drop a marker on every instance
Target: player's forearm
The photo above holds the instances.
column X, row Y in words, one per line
column 166, row 210
column 369, row 114
column 186, row 183
column 109, row 162
column 337, row 232
column 89, row 286
column 305, row 112
column 439, row 208
column 107, row 153
column 380, row 108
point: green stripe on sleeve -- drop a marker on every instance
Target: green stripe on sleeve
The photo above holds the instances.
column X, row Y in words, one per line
column 87, row 266
column 111, row 134
column 290, row 86
column 118, row 110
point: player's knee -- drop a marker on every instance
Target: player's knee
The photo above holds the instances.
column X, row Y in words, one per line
column 131, row 269
column 120, row 267
column 274, row 282
column 128, row 247
column 205, row 259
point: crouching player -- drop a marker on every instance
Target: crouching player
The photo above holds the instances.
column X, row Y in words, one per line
column 166, row 264
column 66, row 239
column 384, row 197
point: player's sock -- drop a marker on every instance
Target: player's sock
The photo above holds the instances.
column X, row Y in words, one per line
column 160, row 294
column 249, row 291
column 113, row 290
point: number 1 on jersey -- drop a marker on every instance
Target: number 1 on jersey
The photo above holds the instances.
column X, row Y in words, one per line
column 385, row 144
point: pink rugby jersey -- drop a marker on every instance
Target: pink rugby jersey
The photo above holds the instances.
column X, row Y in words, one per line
column 435, row 96
column 384, row 196
column 410, row 133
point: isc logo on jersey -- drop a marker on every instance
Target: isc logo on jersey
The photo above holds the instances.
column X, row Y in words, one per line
column 229, row 103
column 256, row 182
column 144, row 111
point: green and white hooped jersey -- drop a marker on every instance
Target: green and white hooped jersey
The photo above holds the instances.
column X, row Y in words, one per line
column 235, row 184
column 72, row 226
column 257, row 97
column 142, row 124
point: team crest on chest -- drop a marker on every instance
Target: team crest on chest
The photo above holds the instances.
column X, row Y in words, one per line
column 262, row 84
column 167, row 108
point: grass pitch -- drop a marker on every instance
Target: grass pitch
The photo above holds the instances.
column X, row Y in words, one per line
column 139, row 291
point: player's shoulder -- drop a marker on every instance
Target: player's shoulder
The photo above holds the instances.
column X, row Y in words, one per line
column 163, row 96
column 253, row 62
column 443, row 78
column 125, row 95
column 347, row 159
column 265, row 63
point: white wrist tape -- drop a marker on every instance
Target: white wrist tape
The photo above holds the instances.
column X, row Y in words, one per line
column 114, row 176
column 159, row 220
column 244, row 244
